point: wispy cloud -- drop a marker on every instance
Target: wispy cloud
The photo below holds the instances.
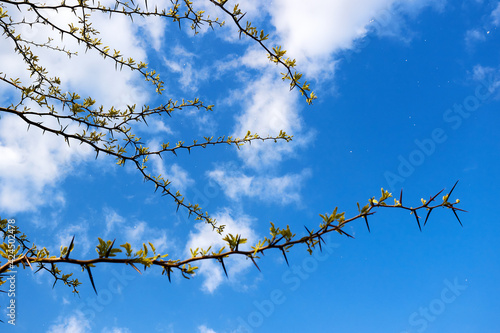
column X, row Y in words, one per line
column 183, row 62
column 495, row 15
column 473, row 36
column 204, row 237
column 269, row 108
column 135, row 232
column 115, row 330
column 75, row 323
column 281, row 189
column 488, row 76
column 112, row 220
column 81, row 233
column 177, row 175
column 204, row 329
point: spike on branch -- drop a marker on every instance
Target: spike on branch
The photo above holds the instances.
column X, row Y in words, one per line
column 320, row 239
column 223, row 266
column 133, row 266
column 70, row 247
column 367, row 225
column 428, row 213
column 418, row 219
column 168, row 274
column 452, row 189
column 109, row 249
column 237, row 242
column 454, row 212
column 284, row 255
column 91, row 278
column 253, row 260
column 434, row 197
column 28, row 262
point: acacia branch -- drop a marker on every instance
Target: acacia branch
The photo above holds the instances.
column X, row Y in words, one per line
column 281, row 239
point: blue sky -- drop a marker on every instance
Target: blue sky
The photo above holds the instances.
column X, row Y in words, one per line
column 408, row 98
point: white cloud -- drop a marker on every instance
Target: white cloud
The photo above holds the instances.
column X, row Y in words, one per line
column 313, row 31
column 103, row 82
column 76, row 323
column 32, row 164
column 115, row 330
column 112, row 220
column 184, row 64
column 474, row 35
column 204, row 329
column 159, row 126
column 495, row 15
column 80, row 231
column 136, row 232
column 177, row 175
column 283, row 189
column 180, row 177
column 141, row 233
column 204, row 237
column 155, row 27
column 488, row 76
column 270, row 107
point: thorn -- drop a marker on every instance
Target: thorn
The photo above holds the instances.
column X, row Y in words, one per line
column 319, row 242
column 434, row 197
column 345, row 233
column 223, row 266
column 91, row 279
column 457, row 217
column 418, row 221
column 109, row 250
column 428, row 213
column 168, row 274
column 237, row 242
column 401, row 197
column 452, row 189
column 284, row 255
column 132, row 264
column 28, row 262
column 366, row 221
column 255, row 264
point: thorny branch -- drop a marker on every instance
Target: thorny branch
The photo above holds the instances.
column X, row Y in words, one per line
column 102, row 129
column 281, row 239
column 42, row 103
